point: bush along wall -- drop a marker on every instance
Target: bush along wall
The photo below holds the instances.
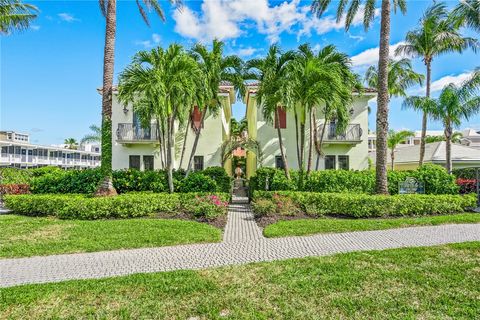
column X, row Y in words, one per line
column 435, row 178
column 358, row 205
column 76, row 206
column 49, row 180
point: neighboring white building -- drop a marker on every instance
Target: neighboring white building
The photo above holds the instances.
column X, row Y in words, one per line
column 137, row 147
column 471, row 138
column 407, row 158
column 344, row 151
column 17, row 151
column 411, row 141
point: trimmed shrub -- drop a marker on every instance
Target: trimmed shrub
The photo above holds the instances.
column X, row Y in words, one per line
column 38, row 172
column 76, row 206
column 69, row 181
column 220, row 176
column 367, row 206
column 197, row 182
column 264, row 207
column 435, row 178
column 135, row 180
column 14, row 189
column 208, row 206
column 15, row 176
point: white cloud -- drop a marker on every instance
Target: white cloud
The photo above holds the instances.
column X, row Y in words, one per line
column 149, row 43
column 246, row 52
column 35, row 27
column 222, row 19
column 67, row 17
column 370, row 56
column 439, row 84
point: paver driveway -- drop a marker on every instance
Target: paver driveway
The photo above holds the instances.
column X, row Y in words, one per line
column 243, row 243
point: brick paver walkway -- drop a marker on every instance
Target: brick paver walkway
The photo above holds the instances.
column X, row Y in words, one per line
column 243, row 243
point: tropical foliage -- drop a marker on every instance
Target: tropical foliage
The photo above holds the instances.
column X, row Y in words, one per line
column 395, row 138
column 94, row 136
column 71, row 143
column 438, row 33
column 455, row 104
column 16, row 16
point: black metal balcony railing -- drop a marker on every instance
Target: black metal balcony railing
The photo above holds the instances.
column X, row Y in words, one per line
column 130, row 132
column 353, row 132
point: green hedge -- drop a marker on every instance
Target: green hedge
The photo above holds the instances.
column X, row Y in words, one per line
column 361, row 205
column 15, row 176
column 435, row 178
column 130, row 205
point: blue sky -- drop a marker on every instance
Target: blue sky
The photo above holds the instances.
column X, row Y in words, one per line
column 49, row 74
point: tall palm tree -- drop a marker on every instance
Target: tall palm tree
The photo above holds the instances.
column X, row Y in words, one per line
column 15, row 15
column 271, row 72
column 162, row 85
column 94, row 136
column 109, row 11
column 215, row 68
column 455, row 104
column 394, row 138
column 70, row 143
column 437, row 34
column 319, row 7
column 401, row 76
column 468, row 12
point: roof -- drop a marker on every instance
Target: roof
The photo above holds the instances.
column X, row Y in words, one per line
column 38, row 146
column 436, row 152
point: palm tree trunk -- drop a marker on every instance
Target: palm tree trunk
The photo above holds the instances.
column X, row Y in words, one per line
column 169, row 153
column 392, row 155
column 160, row 141
column 424, row 116
column 302, row 146
column 320, row 142
column 297, row 138
column 187, row 129
column 106, row 187
column 280, row 143
column 448, row 140
column 195, row 143
column 382, row 100
column 310, row 149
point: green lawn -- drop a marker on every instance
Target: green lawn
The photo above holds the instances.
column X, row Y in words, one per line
column 29, row 236
column 423, row 283
column 330, row 225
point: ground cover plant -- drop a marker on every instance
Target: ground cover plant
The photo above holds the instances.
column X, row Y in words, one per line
column 302, row 227
column 390, row 284
column 23, row 236
column 435, row 179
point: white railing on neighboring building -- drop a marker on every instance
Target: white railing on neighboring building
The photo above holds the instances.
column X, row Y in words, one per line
column 32, row 160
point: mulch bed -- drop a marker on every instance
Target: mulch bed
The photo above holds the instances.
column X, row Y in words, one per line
column 266, row 220
column 219, row 222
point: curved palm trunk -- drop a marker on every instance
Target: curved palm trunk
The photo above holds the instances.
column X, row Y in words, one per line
column 187, row 129
column 448, row 141
column 382, row 100
column 280, row 143
column 424, row 116
column 310, row 148
column 195, row 143
column 106, row 187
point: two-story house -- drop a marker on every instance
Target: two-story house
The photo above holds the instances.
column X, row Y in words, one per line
column 137, row 147
column 348, row 150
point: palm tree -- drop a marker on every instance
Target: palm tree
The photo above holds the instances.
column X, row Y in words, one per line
column 468, row 13
column 162, row 85
column 456, row 138
column 455, row 104
column 394, row 138
column 70, row 143
column 15, row 15
column 319, row 7
column 401, row 76
column 94, row 136
column 271, row 72
column 109, row 11
column 437, row 34
column 216, row 69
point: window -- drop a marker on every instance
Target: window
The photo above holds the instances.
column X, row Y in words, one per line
column 134, row 162
column 343, row 162
column 279, row 162
column 198, row 163
column 330, row 162
column 147, row 162
column 282, row 116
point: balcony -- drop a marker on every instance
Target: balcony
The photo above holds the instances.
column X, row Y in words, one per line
column 129, row 133
column 351, row 135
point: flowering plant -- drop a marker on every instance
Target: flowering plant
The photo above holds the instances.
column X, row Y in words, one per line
column 467, row 185
column 208, row 206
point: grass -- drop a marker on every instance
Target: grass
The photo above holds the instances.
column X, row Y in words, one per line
column 22, row 236
column 424, row 283
column 303, row 227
